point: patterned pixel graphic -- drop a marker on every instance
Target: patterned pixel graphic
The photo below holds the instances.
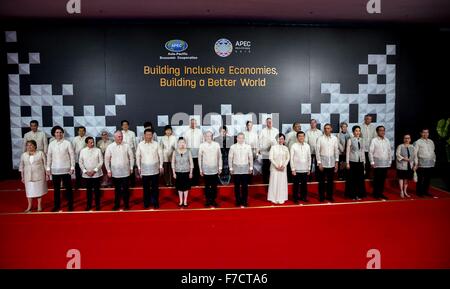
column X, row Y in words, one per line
column 376, row 97
column 41, row 96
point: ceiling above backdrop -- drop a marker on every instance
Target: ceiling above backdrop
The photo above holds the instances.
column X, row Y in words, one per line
column 392, row 11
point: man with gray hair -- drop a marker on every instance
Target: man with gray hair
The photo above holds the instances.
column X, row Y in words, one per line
column 311, row 137
column 119, row 163
column 266, row 139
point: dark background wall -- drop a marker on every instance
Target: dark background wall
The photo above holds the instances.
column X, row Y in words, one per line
column 102, row 59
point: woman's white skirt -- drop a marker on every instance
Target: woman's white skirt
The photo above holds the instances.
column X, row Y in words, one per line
column 36, row 189
column 278, row 186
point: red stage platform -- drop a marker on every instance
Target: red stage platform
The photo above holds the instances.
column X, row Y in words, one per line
column 409, row 233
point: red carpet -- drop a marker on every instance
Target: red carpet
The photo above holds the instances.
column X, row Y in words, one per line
column 408, row 233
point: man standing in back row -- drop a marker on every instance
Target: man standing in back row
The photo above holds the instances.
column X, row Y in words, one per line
column 38, row 136
column 129, row 137
column 210, row 165
column 311, row 138
column 380, row 156
column 79, row 143
column 194, row 137
column 368, row 132
column 266, row 139
column 424, row 149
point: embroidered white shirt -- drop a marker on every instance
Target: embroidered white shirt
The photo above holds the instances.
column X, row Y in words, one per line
column 300, row 157
column 91, row 159
column 119, row 160
column 60, row 157
column 240, row 158
column 209, row 158
column 149, row 158
column 327, row 151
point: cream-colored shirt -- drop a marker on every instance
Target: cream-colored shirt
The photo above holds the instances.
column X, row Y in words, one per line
column 426, row 157
column 240, row 158
column 311, row 137
column 129, row 137
column 266, row 139
column 39, row 137
column 209, row 158
column 149, row 158
column 78, row 143
column 327, row 151
column 168, row 145
column 60, row 157
column 300, row 157
column 380, row 154
column 91, row 159
column 193, row 138
column 119, row 160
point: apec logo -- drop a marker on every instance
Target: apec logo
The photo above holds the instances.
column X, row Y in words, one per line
column 177, row 51
column 176, row 45
column 223, row 47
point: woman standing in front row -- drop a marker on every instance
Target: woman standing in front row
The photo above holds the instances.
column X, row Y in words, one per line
column 405, row 164
column 355, row 159
column 32, row 169
column 182, row 167
column 278, row 184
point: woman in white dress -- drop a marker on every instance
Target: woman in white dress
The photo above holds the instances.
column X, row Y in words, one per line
column 32, row 169
column 278, row 183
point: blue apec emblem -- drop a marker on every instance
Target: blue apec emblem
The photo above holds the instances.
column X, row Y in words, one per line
column 176, row 45
column 223, row 47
